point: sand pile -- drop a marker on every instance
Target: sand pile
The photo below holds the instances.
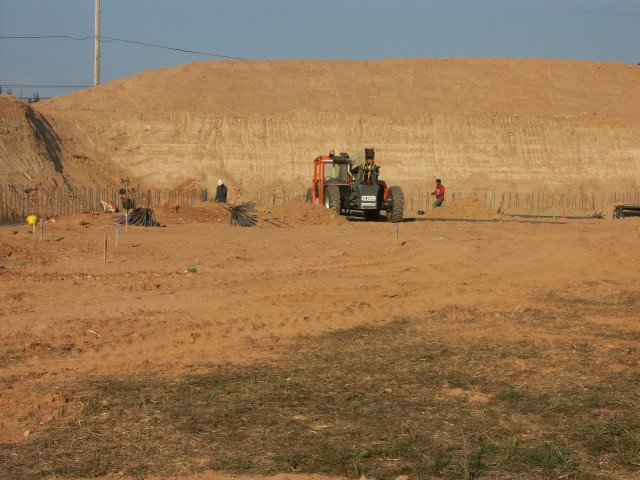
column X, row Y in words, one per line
column 471, row 208
column 296, row 212
column 258, row 123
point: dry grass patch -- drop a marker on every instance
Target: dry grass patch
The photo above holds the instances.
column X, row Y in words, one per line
column 375, row 401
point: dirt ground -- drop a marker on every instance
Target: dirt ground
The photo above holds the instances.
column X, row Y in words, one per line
column 461, row 343
column 199, row 294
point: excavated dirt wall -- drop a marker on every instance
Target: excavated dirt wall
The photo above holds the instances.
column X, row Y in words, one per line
column 471, row 152
column 477, row 123
column 35, row 151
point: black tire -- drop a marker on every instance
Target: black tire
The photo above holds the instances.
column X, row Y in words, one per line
column 396, row 198
column 371, row 215
column 332, row 198
column 309, row 196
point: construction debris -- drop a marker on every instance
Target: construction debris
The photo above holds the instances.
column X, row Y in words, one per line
column 620, row 211
column 141, row 217
column 108, row 206
column 243, row 214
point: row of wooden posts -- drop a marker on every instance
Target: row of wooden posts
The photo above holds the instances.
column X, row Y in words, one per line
column 38, row 225
column 16, row 203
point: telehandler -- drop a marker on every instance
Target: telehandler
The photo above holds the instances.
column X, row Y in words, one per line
column 346, row 183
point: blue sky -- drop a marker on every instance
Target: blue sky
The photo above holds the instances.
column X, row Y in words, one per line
column 601, row 30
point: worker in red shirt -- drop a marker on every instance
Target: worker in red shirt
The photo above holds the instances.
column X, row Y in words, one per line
column 439, row 194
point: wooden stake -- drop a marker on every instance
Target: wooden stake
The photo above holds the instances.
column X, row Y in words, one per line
column 42, row 229
column 105, row 247
column 117, row 233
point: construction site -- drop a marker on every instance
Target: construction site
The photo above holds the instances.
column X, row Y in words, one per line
column 314, row 326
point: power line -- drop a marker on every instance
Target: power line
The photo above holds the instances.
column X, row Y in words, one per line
column 15, row 85
column 104, row 39
column 50, row 36
column 111, row 39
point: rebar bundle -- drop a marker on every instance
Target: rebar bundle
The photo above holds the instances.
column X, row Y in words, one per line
column 243, row 214
column 141, row 217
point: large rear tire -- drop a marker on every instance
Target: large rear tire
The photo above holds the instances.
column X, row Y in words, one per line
column 396, row 197
column 332, row 198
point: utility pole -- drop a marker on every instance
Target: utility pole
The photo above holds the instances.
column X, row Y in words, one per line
column 96, row 64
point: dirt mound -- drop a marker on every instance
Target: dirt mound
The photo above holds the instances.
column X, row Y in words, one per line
column 25, row 157
column 520, row 123
column 469, row 208
column 207, row 212
column 401, row 87
column 296, row 212
column 36, row 151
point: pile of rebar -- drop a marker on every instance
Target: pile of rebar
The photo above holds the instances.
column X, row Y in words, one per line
column 141, row 217
column 243, row 214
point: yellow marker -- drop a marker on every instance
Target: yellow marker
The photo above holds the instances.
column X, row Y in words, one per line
column 32, row 219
